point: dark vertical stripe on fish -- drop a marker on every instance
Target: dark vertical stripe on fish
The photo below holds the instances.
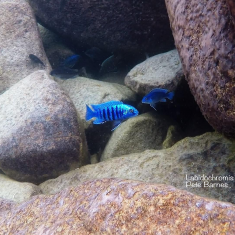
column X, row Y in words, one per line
column 109, row 114
column 104, row 115
column 117, row 112
column 113, row 113
column 100, row 114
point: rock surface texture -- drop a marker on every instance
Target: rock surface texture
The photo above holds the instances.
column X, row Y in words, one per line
column 231, row 5
column 40, row 134
column 205, row 39
column 128, row 26
column 112, row 206
column 19, row 37
column 159, row 71
column 209, row 154
column 17, row 191
column 55, row 50
column 146, row 131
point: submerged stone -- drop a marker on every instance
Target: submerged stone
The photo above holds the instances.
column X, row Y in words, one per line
column 204, row 34
column 205, row 155
column 41, row 136
column 113, row 206
column 19, row 38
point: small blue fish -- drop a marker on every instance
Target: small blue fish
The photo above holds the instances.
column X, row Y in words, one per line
column 157, row 95
column 70, row 61
column 110, row 111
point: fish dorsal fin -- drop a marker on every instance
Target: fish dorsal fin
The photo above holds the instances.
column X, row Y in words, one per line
column 106, row 104
column 159, row 90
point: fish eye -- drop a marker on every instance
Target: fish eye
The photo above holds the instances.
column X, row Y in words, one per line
column 131, row 111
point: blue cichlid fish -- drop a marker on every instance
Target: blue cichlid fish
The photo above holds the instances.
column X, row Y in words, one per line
column 110, row 111
column 157, row 95
column 70, row 61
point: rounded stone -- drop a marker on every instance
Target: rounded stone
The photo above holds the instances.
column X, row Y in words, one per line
column 41, row 135
column 205, row 39
column 115, row 26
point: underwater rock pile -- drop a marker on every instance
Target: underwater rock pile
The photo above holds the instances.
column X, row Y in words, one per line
column 108, row 103
column 112, row 206
column 210, row 155
column 205, row 39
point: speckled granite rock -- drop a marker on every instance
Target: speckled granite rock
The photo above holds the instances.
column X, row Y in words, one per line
column 19, row 37
column 40, row 133
column 162, row 71
column 17, row 191
column 231, row 5
column 141, row 26
column 146, row 131
column 112, row 206
column 205, row 39
column 208, row 154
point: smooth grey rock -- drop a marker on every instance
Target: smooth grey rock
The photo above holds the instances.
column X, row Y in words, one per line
column 146, row 131
column 19, row 37
column 208, row 154
column 41, row 135
column 17, row 191
column 160, row 71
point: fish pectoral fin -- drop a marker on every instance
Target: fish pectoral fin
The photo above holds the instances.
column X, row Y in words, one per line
column 98, row 121
column 116, row 124
column 153, row 106
column 163, row 100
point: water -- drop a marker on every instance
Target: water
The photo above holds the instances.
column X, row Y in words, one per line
column 125, row 49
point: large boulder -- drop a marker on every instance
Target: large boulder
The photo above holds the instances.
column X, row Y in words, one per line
column 205, row 38
column 202, row 156
column 112, row 206
column 125, row 26
column 40, row 133
column 19, row 37
column 159, row 71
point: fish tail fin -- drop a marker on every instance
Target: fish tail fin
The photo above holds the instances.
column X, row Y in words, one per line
column 89, row 113
column 170, row 95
